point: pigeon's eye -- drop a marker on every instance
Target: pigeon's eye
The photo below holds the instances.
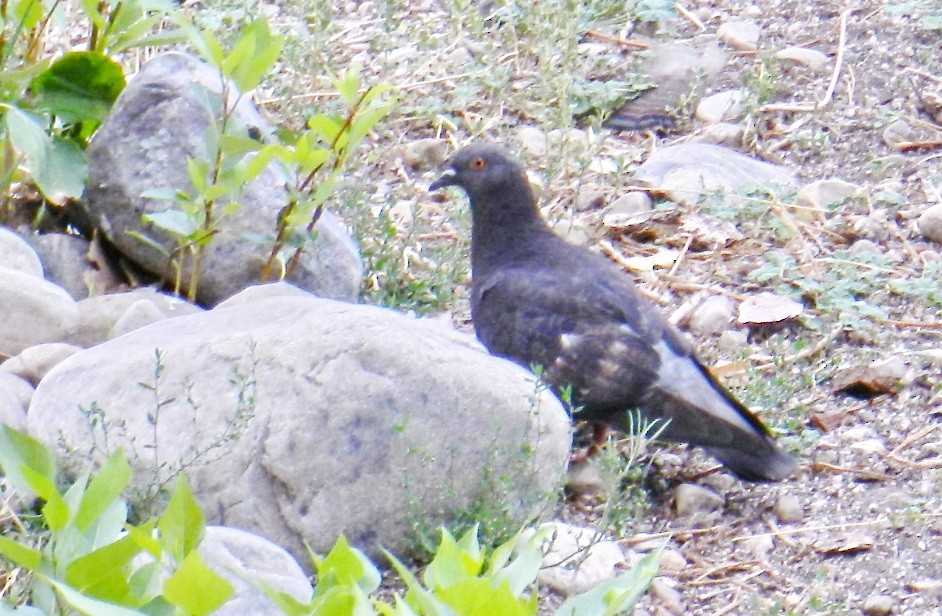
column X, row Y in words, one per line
column 479, row 163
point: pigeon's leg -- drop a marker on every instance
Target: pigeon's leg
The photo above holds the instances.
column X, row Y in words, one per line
column 599, row 434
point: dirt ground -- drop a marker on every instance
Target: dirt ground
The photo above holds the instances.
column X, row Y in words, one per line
column 865, row 532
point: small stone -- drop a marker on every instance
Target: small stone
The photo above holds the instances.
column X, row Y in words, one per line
column 811, row 58
column 740, row 35
column 634, row 202
column 759, row 546
column 733, row 340
column 929, row 223
column 572, row 230
column 591, row 197
column 720, row 483
column 668, row 596
column 16, row 254
column 721, row 106
column 713, row 316
column 822, row 195
column 878, row 605
column 18, row 386
column 65, row 261
column 929, row 587
column 872, row 445
column 788, row 509
column 864, row 247
column 722, row 133
column 35, row 311
column 584, row 479
column 898, row 132
column 671, row 560
column 578, row 559
column 34, row 362
column 532, row 141
column 764, row 308
column 690, row 498
column 423, row 153
column 140, row 313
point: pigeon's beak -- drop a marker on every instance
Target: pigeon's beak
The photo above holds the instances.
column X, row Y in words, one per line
column 449, row 178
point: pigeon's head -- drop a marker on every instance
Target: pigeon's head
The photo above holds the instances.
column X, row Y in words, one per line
column 481, row 169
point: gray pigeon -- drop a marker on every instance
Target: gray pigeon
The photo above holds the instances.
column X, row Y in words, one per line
column 539, row 300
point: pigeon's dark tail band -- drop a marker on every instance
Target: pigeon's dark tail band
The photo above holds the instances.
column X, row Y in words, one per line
column 771, row 464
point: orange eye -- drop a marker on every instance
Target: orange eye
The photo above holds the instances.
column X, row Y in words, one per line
column 479, row 163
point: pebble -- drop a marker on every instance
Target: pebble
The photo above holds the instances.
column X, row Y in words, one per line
column 740, row 35
column 871, row 445
column 35, row 311
column 584, row 479
column 590, row 197
column 929, row 223
column 630, row 203
column 811, row 58
column 722, row 133
column 579, row 559
column 733, row 340
column 424, row 153
column 713, row 316
column 821, row 195
column 672, row 560
column 929, row 587
column 18, row 386
column 65, row 261
column 532, row 141
column 898, row 132
column 759, row 546
column 668, row 596
column 690, row 498
column 878, row 605
column 34, row 362
column 17, row 255
column 788, row 509
column 865, row 246
column 721, row 106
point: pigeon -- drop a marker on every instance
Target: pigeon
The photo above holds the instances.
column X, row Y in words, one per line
column 542, row 302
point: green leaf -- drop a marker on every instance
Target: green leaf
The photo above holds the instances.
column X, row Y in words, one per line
column 19, row 450
column 454, row 561
column 104, row 573
column 616, row 596
column 253, row 55
column 521, row 573
column 417, row 597
column 27, row 13
column 346, row 565
column 348, row 86
column 107, row 485
column 88, row 605
column 79, row 86
column 195, row 587
column 174, row 222
column 182, row 524
column 324, row 126
column 477, row 597
column 19, row 554
column 143, row 536
column 55, row 510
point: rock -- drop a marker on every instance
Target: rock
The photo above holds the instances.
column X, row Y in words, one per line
column 686, row 171
column 788, row 509
column 722, row 133
column 630, row 203
column 34, row 362
column 156, row 124
column 107, row 316
column 668, row 596
column 880, row 377
column 423, row 153
column 733, row 341
column 713, row 316
column 864, row 247
column 869, row 446
column 671, row 561
column 308, row 418
column 64, row 259
column 930, row 223
column 590, row 197
column 16, row 254
column 246, row 560
column 810, row 58
column 759, row 546
column 12, row 411
column 32, row 311
column 18, row 386
column 532, row 141
column 574, row 231
column 584, row 479
column 721, row 106
column 765, row 308
column 899, row 132
column 740, row 35
column 263, row 291
column 930, row 587
column 878, row 605
column 820, row 197
column 690, row 498
column 576, row 559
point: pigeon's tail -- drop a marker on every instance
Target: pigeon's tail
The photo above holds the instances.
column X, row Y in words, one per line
column 771, row 464
column 702, row 413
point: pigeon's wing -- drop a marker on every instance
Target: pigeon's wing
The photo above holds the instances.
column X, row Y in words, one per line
column 589, row 335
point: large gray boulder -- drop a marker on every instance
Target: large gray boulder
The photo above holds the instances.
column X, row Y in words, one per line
column 157, row 123
column 299, row 418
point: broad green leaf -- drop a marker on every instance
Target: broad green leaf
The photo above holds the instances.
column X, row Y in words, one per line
column 64, row 174
column 346, row 565
column 79, row 86
column 88, row 605
column 285, row 602
column 55, row 510
column 175, row 222
column 181, row 525
column 107, row 485
column 195, row 587
column 18, row 450
column 454, row 561
column 254, row 54
column 197, row 170
column 616, row 596
column 348, row 86
column 27, row 13
column 417, row 596
column 477, row 597
column 143, row 536
column 521, row 573
column 19, row 554
column 104, row 573
column 325, row 126
column 164, row 194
